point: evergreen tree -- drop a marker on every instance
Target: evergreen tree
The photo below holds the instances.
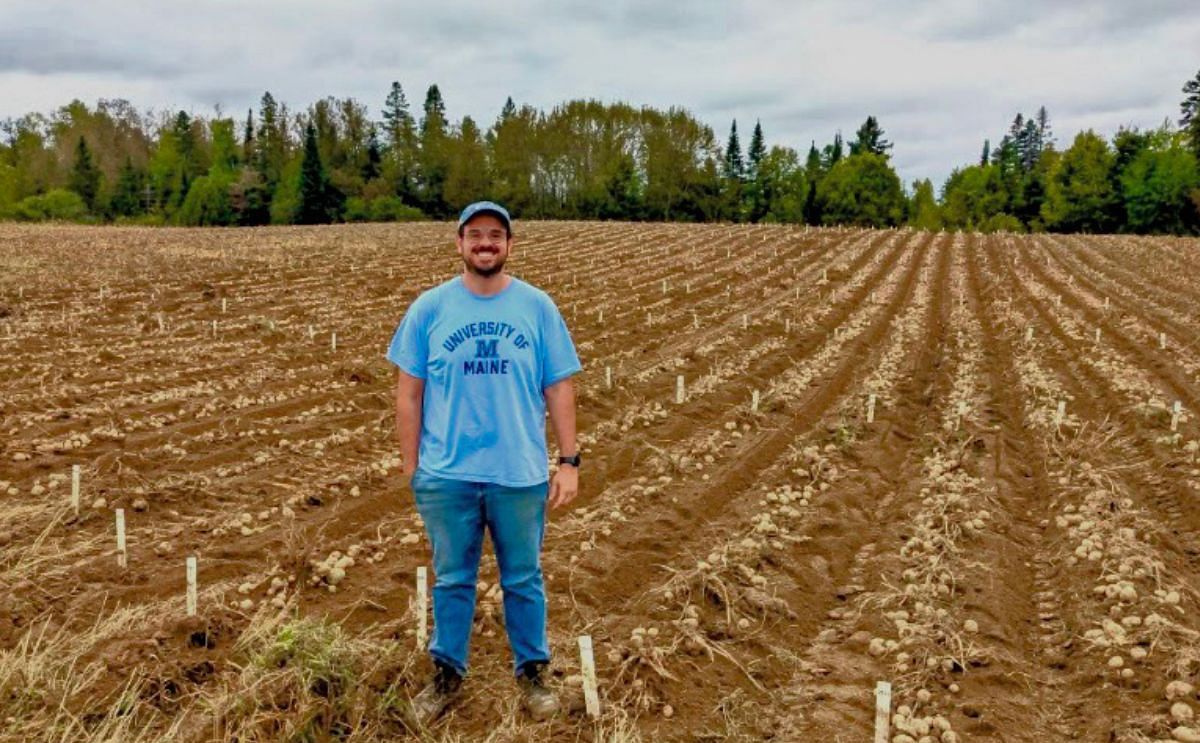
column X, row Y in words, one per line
column 1190, row 113
column 271, row 155
column 318, row 203
column 757, row 197
column 248, row 137
column 813, row 171
column 734, row 165
column 757, row 150
column 371, row 166
column 127, row 195
column 509, row 110
column 435, row 156
column 397, row 119
column 85, row 175
column 832, row 153
column 869, row 138
column 400, row 136
column 1045, row 136
column 987, row 152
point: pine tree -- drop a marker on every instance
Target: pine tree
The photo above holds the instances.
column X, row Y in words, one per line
column 398, row 122
column 757, row 151
column 1045, row 136
column 127, row 195
column 813, row 170
column 832, row 153
column 1190, row 113
column 248, row 137
column 435, row 154
column 509, row 110
column 987, row 147
column 316, row 192
column 869, row 138
column 757, row 197
column 272, row 147
column 371, row 167
column 735, row 166
column 85, row 176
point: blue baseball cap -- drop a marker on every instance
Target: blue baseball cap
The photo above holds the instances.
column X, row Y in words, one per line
column 484, row 207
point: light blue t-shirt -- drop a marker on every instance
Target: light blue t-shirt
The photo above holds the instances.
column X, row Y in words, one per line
column 485, row 362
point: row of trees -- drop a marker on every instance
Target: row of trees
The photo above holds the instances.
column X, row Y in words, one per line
column 580, row 160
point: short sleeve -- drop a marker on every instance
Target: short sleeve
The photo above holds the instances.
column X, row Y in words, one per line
column 409, row 349
column 559, row 359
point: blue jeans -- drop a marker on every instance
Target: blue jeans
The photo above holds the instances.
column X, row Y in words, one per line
column 455, row 513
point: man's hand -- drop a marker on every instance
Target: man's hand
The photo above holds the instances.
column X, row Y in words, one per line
column 564, row 487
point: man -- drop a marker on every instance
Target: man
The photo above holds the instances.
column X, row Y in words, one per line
column 481, row 359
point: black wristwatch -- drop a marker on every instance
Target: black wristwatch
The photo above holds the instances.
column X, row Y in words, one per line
column 573, row 461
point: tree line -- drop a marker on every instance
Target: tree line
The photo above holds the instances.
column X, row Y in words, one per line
column 582, row 159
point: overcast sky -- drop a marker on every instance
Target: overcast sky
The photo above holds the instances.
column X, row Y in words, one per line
column 939, row 76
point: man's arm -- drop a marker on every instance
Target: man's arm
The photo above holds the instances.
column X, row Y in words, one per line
column 560, row 403
column 410, row 394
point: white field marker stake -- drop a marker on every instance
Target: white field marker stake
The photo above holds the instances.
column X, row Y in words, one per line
column 1029, row 334
column 422, row 606
column 122, row 561
column 695, row 321
column 664, row 286
column 333, row 341
column 871, row 408
column 1097, row 336
column 1058, row 300
column 600, row 317
column 161, row 324
column 587, row 664
column 1162, row 341
column 649, row 320
column 224, row 305
column 191, row 586
column 1176, row 411
column 787, row 325
column 310, row 332
column 1061, row 413
column 824, row 274
column 883, row 711
column 75, row 488
column 754, row 398
column 608, row 377
column 679, row 391
column 1106, row 303
column 214, row 328
column 745, row 321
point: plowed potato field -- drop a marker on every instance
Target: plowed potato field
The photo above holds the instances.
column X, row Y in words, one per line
column 965, row 465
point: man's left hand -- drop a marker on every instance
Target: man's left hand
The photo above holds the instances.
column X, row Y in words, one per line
column 564, row 487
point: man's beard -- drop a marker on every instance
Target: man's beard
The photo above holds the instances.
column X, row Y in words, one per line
column 497, row 266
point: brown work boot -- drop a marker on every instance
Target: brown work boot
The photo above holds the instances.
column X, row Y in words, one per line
column 536, row 697
column 432, row 701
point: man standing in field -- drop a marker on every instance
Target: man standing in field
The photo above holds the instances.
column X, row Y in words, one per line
column 481, row 359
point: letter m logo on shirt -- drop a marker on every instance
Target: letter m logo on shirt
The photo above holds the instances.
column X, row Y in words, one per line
column 486, row 349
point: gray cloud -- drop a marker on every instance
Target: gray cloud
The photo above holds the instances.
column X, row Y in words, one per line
column 48, row 51
column 939, row 75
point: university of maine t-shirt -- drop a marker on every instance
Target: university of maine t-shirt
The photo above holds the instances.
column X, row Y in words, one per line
column 485, row 362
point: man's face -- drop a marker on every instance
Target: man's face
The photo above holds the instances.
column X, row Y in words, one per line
column 484, row 245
